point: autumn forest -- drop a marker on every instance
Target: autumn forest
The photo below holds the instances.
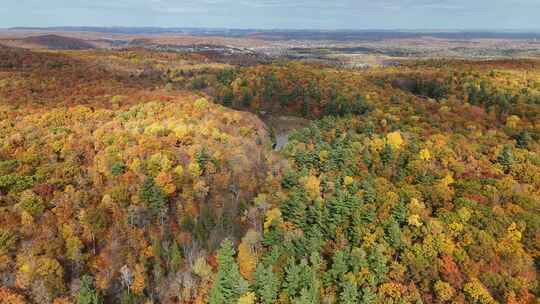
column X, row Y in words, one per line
column 135, row 176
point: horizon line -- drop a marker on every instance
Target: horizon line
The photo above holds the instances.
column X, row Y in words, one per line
column 416, row 30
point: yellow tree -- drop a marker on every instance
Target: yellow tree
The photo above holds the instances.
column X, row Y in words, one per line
column 138, row 280
column 247, row 254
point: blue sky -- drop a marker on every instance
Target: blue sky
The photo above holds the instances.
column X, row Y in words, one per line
column 306, row 14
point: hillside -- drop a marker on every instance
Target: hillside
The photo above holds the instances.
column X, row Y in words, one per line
column 133, row 176
column 56, row 42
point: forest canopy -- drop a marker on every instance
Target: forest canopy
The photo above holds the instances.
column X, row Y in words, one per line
column 149, row 177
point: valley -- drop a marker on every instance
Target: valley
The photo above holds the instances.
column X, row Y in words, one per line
column 141, row 166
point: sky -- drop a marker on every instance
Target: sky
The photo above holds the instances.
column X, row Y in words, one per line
column 277, row 14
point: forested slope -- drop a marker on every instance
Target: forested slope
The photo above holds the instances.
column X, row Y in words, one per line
column 120, row 178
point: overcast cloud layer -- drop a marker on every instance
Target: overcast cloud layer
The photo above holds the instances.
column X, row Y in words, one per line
column 305, row 14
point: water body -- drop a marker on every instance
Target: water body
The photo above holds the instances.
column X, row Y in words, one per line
column 281, row 141
column 282, row 127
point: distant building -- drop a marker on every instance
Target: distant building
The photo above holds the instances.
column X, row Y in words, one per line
column 359, row 65
column 388, row 63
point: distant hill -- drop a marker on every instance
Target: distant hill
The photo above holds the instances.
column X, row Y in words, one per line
column 56, row 42
column 291, row 34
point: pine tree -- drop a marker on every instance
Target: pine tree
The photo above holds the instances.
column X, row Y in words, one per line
column 349, row 295
column 315, row 216
column 293, row 281
column 506, row 158
column 370, row 194
column 175, row 257
column 301, row 283
column 87, row 293
column 523, row 139
column 340, row 210
column 377, row 264
column 387, row 154
column 368, row 296
column 294, row 209
column 339, row 268
column 153, row 196
column 297, row 277
column 229, row 284
column 400, row 213
column 307, row 296
column 393, row 233
column 266, row 284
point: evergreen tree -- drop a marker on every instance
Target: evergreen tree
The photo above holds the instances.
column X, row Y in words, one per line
column 297, row 278
column 360, row 106
column 400, row 213
column 359, row 259
column 315, row 217
column 340, row 266
column 225, row 76
column 387, row 154
column 523, row 139
column 393, row 233
column 340, row 210
column 377, row 263
column 307, row 296
column 153, row 196
column 368, row 296
column 128, row 298
column 203, row 158
column 87, row 293
column 370, row 194
column 229, row 284
column 266, row 284
column 228, row 97
column 349, row 295
column 294, row 209
column 175, row 257
column 506, row 158
column 246, row 97
column 290, row 179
